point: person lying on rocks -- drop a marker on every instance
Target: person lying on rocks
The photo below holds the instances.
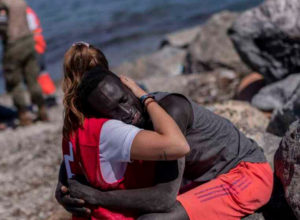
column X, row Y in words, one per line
column 228, row 173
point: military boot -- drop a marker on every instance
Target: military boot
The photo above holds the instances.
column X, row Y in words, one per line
column 25, row 118
column 42, row 114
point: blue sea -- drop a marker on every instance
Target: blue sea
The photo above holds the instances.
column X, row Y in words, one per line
column 123, row 29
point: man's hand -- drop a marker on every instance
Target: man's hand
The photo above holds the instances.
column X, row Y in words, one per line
column 86, row 193
column 63, row 197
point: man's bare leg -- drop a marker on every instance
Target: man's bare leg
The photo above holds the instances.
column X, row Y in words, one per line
column 176, row 213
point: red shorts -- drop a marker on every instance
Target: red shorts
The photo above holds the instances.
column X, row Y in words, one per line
column 233, row 195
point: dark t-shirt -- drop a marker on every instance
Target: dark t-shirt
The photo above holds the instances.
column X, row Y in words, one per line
column 216, row 145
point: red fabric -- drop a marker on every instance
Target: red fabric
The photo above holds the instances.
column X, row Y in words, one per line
column 46, row 83
column 40, row 43
column 230, row 196
column 85, row 144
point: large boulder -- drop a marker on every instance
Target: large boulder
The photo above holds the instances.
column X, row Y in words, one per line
column 206, row 88
column 213, row 49
column 247, row 118
column 181, row 39
column 267, row 38
column 287, row 166
column 283, row 98
column 165, row 62
column 277, row 94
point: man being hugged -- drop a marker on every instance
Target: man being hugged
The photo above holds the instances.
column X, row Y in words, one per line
column 228, row 173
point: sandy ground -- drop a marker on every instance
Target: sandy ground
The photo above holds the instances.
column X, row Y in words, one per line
column 29, row 163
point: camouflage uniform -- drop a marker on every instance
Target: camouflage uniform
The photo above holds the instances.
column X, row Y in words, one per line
column 19, row 59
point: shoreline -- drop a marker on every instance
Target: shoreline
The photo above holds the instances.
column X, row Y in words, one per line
column 209, row 75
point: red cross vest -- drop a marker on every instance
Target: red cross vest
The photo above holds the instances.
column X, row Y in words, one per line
column 81, row 157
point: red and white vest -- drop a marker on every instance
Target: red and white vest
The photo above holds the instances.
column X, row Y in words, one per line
column 81, row 157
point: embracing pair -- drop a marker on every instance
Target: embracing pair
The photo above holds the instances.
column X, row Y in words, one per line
column 133, row 155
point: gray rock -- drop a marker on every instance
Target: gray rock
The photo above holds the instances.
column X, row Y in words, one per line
column 267, row 38
column 287, row 166
column 283, row 98
column 283, row 117
column 203, row 88
column 181, row 39
column 255, row 216
column 245, row 117
column 166, row 62
column 251, row 122
column 277, row 94
column 268, row 142
column 213, row 49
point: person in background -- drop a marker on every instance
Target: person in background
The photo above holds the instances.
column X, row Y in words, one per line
column 44, row 79
column 19, row 60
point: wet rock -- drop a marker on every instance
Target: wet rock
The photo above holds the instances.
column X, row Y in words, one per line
column 213, row 49
column 267, row 38
column 277, row 94
column 181, row 39
column 166, row 62
column 287, row 166
column 203, row 88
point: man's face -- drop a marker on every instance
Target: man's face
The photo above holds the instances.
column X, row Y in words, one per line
column 112, row 99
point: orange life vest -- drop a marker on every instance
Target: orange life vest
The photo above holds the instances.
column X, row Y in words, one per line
column 35, row 26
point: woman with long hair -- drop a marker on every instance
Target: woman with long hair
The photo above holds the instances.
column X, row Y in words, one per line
column 80, row 58
column 99, row 147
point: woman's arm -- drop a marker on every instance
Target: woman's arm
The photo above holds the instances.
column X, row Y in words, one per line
column 168, row 175
column 166, row 142
column 161, row 196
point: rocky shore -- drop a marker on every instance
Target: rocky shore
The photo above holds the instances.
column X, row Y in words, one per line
column 202, row 63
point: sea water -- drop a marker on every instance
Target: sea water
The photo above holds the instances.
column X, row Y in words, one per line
column 123, row 29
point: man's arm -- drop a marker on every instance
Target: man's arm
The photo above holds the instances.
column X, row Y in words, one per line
column 158, row 198
column 62, row 195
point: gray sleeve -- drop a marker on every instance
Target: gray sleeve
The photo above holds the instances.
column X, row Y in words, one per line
column 116, row 139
